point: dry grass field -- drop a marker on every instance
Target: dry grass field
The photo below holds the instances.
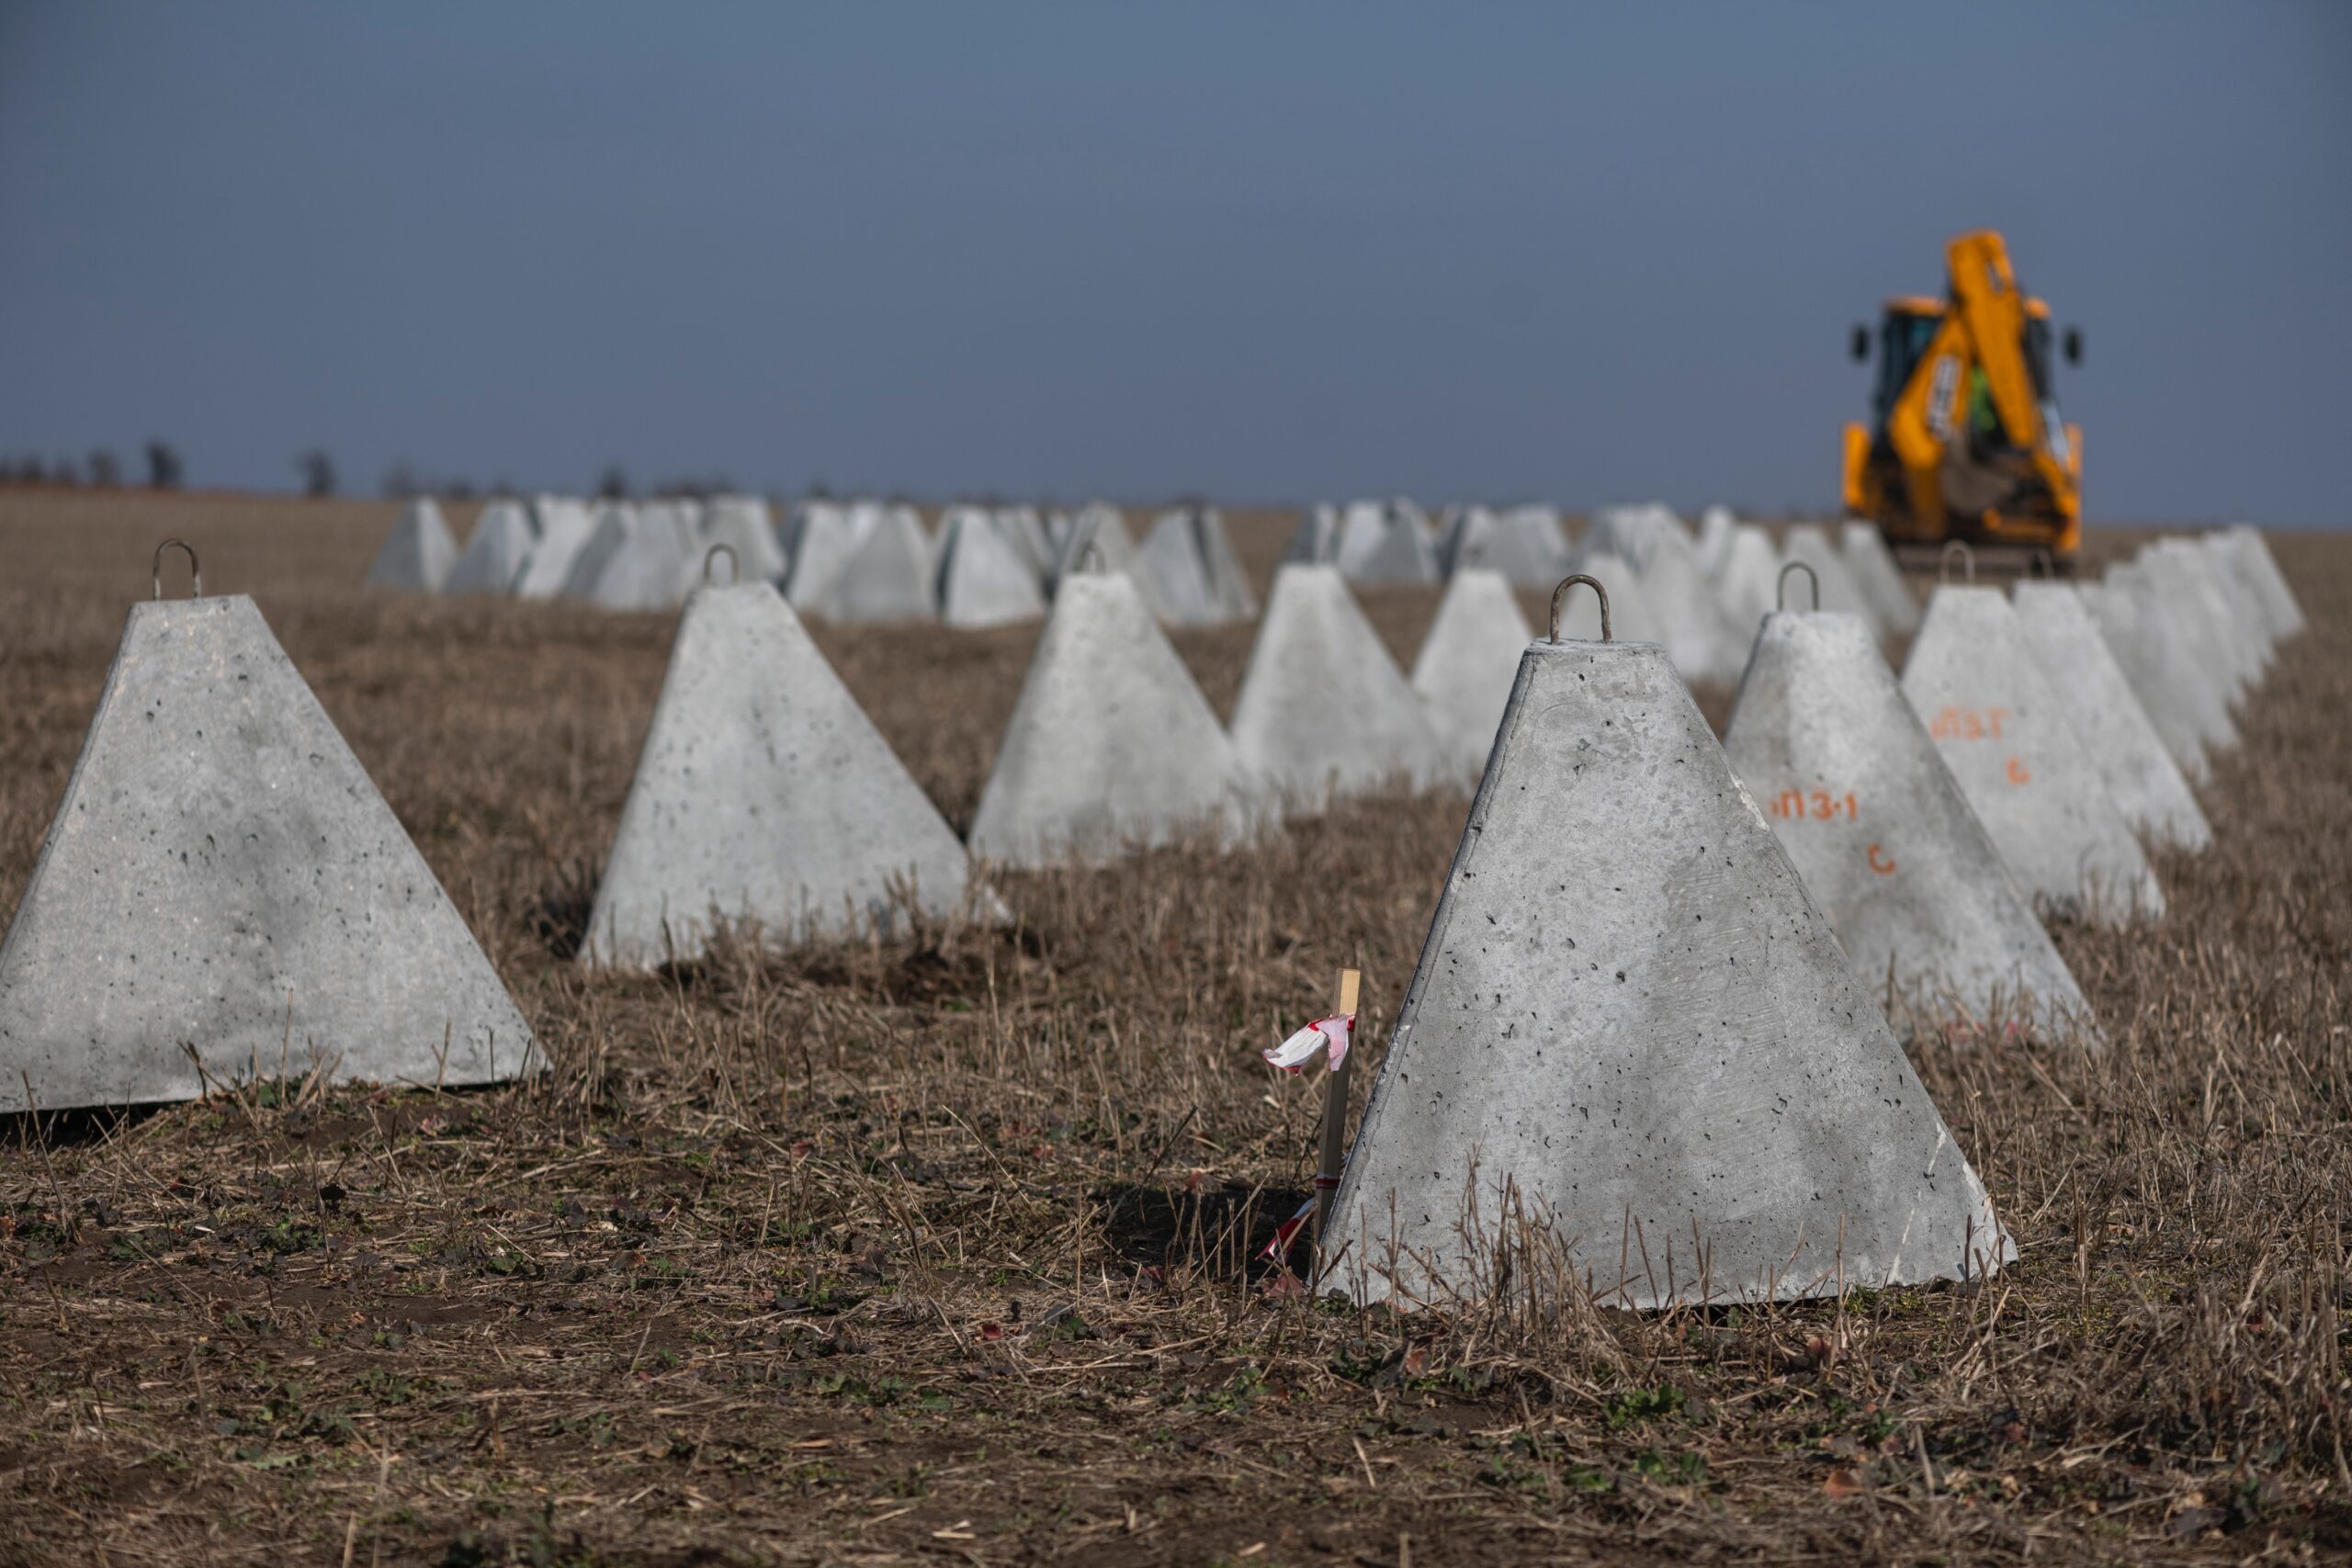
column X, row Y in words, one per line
column 937, row 1251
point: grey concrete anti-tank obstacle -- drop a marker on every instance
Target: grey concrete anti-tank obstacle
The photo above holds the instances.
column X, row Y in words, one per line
column 2189, row 579
column 2270, row 583
column 2140, row 774
column 2250, row 615
column 1111, row 743
column 1715, row 525
column 741, row 523
column 1023, row 528
column 1385, row 543
column 983, row 582
column 1228, row 584
column 1635, row 532
column 1468, row 661
column 1481, row 538
column 1879, row 829
column 564, row 529
column 495, row 554
column 1746, row 578
column 1629, row 1017
column 223, row 877
column 2179, row 698
column 418, row 553
column 1975, row 682
column 886, row 576
column 1872, row 567
column 764, row 795
column 1316, row 540
column 632, row 561
column 1323, row 710
column 2168, row 585
column 1172, row 557
column 819, row 539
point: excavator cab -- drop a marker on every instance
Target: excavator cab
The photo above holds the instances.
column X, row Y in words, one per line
column 1965, row 440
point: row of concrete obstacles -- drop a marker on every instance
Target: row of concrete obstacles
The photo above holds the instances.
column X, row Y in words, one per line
column 857, row 561
column 1641, row 1050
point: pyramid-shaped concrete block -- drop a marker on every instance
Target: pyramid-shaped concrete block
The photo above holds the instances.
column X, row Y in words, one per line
column 1809, row 544
column 2195, row 616
column 763, row 794
column 1316, row 540
column 1467, row 663
column 2285, row 616
column 1746, row 580
column 1879, row 829
column 1323, row 709
column 1228, row 584
column 819, row 539
column 632, row 561
column 1172, row 558
column 1480, row 539
column 2140, row 774
column 418, row 553
column 1976, row 683
column 564, row 529
column 887, row 577
column 2248, row 613
column 1023, row 528
column 2177, row 698
column 1111, row 744
column 1384, row 544
column 2187, row 574
column 1629, row 1014
column 983, row 582
column 1872, row 567
column 494, row 557
column 741, row 524
column 1715, row 526
column 222, row 876
column 1634, row 531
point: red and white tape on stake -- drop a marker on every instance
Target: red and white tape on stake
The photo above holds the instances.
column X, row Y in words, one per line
column 1288, row 1232
column 1329, row 1034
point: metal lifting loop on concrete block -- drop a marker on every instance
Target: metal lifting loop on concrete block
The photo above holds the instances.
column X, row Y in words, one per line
column 1967, row 556
column 1598, row 592
column 1092, row 552
column 734, row 564
column 1781, row 585
column 194, row 572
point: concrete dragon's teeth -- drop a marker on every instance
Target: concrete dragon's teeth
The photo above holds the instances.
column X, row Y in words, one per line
column 1876, row 825
column 1466, row 663
column 222, row 875
column 1630, row 1014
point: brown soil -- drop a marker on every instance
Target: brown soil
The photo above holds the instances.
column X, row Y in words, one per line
column 935, row 1250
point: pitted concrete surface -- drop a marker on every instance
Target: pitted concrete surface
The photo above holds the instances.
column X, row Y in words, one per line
column 1111, row 744
column 1973, row 681
column 565, row 527
column 1323, row 709
column 2179, row 700
column 1877, row 829
column 223, row 875
column 885, row 576
column 1872, row 566
column 763, row 794
column 2140, row 774
column 494, row 557
column 1467, row 663
column 418, row 553
column 1628, row 1009
column 983, row 582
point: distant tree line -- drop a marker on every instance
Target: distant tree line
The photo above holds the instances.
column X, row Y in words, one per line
column 100, row 470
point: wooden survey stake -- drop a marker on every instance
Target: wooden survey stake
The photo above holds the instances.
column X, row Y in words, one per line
column 1335, row 1108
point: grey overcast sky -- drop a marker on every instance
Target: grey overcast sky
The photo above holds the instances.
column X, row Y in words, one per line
column 1261, row 251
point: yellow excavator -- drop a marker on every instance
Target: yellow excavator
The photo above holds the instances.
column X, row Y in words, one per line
column 1965, row 441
